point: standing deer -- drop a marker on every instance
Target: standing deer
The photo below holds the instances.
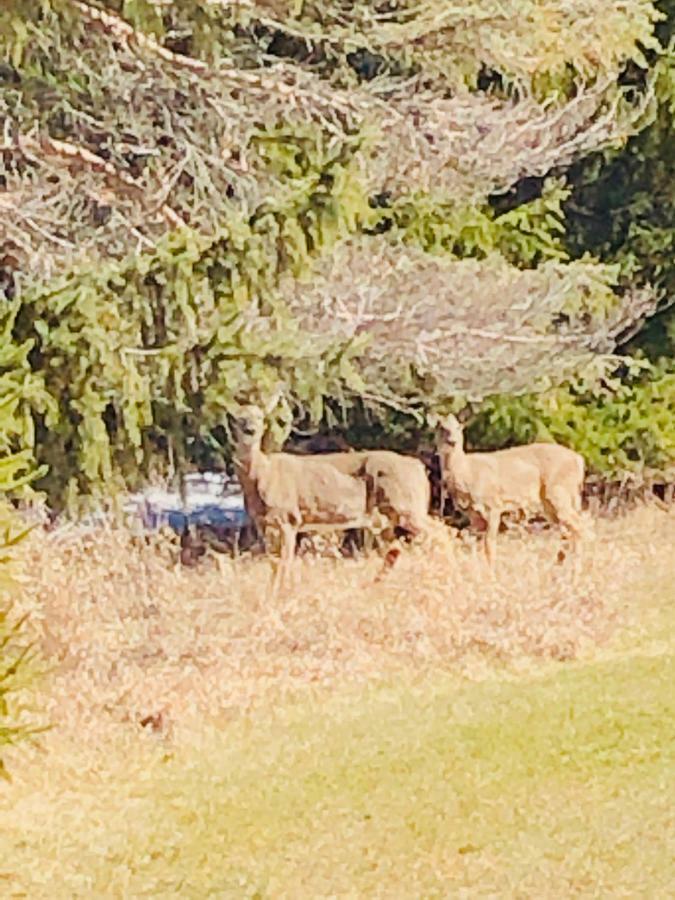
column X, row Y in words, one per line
column 287, row 493
column 526, row 479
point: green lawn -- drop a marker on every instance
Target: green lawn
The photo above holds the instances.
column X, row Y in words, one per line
column 552, row 787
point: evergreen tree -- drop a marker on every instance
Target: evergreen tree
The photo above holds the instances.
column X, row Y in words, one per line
column 369, row 202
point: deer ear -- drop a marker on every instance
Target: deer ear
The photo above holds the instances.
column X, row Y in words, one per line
column 465, row 414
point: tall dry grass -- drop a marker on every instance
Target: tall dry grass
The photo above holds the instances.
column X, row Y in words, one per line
column 132, row 637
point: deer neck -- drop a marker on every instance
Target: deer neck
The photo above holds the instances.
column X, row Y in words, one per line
column 252, row 463
column 251, row 466
column 453, row 463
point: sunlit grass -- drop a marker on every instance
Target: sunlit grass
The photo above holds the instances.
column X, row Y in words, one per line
column 561, row 785
column 407, row 775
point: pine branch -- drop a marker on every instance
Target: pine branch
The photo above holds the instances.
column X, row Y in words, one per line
column 71, row 154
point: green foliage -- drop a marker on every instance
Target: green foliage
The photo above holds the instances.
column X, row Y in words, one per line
column 522, row 42
column 17, row 656
column 17, row 671
column 621, row 207
column 22, row 394
column 622, row 425
column 133, row 337
column 143, row 358
column 526, row 235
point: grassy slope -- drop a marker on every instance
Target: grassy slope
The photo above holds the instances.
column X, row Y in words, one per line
column 553, row 787
column 558, row 783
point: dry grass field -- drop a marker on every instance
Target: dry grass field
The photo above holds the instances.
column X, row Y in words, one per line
column 439, row 733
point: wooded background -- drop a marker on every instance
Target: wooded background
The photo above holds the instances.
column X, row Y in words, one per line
column 388, row 207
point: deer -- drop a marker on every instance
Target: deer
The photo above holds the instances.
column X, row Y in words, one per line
column 397, row 484
column 531, row 477
column 286, row 493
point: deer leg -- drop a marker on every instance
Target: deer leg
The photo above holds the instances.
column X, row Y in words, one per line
column 568, row 516
column 288, row 535
column 389, row 562
column 278, row 575
column 493, row 520
column 573, row 525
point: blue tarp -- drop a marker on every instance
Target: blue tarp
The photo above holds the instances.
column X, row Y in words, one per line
column 210, row 514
